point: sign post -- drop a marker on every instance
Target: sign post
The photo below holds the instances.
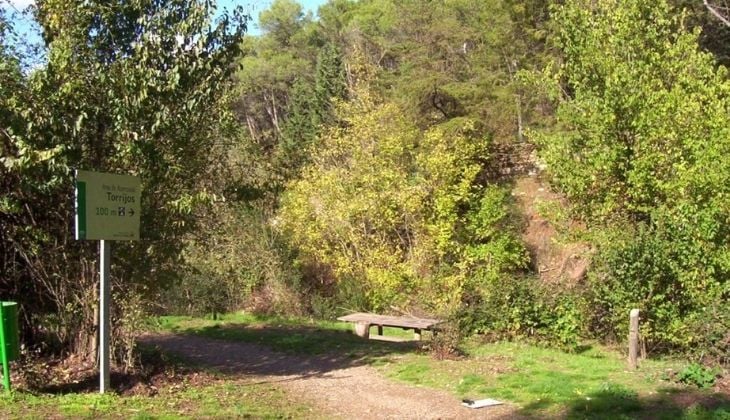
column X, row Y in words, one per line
column 105, row 254
column 107, row 209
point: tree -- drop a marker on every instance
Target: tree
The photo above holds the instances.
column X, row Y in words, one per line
column 382, row 208
column 274, row 94
column 311, row 109
column 133, row 87
column 283, row 21
column 643, row 122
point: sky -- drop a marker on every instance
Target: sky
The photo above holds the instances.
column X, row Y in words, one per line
column 21, row 4
column 252, row 7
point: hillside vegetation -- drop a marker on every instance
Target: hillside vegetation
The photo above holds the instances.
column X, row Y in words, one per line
column 526, row 169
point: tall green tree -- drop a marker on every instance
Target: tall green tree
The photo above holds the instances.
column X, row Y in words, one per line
column 382, row 208
column 277, row 73
column 131, row 87
column 311, row 109
column 644, row 120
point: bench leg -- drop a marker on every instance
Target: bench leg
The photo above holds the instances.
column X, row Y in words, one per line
column 362, row 329
column 417, row 333
column 380, row 330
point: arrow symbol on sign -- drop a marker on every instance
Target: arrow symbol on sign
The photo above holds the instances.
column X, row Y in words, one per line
column 131, row 212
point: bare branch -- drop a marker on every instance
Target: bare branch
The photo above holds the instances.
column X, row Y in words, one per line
column 715, row 11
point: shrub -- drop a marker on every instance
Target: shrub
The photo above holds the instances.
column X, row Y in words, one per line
column 446, row 342
column 671, row 280
column 400, row 210
column 698, row 375
column 640, row 149
column 524, row 308
column 239, row 262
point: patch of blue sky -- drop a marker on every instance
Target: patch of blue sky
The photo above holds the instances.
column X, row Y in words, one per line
column 26, row 27
column 255, row 7
column 26, row 33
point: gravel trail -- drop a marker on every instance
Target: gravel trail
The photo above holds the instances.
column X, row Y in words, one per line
column 339, row 386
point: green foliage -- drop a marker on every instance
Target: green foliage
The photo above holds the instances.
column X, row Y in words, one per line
column 644, row 124
column 698, row 375
column 638, row 129
column 130, row 87
column 238, row 262
column 283, row 21
column 524, row 308
column 329, row 82
column 447, row 60
column 311, row 109
column 276, row 98
column 383, row 203
column 644, row 270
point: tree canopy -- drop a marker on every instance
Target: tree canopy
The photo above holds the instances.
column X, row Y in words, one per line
column 131, row 87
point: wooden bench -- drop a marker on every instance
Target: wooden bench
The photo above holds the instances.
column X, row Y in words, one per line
column 363, row 321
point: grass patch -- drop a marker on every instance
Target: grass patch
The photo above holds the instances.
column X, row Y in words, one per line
column 289, row 335
column 232, row 399
column 550, row 383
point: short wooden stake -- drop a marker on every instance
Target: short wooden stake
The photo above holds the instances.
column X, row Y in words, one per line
column 633, row 338
column 362, row 329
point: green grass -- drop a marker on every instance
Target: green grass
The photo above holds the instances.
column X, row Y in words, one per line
column 289, row 335
column 219, row 400
column 592, row 383
column 546, row 382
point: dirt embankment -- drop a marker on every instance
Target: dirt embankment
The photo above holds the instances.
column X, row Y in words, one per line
column 555, row 258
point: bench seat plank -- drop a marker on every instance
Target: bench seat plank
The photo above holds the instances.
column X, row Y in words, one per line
column 391, row 321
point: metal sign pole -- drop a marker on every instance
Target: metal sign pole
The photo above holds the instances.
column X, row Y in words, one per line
column 108, row 207
column 105, row 254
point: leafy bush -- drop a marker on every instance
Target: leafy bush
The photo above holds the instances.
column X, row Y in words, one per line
column 240, row 262
column 446, row 342
column 698, row 375
column 682, row 306
column 399, row 210
column 524, row 308
column 641, row 153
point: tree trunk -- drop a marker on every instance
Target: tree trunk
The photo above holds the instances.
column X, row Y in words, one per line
column 251, row 127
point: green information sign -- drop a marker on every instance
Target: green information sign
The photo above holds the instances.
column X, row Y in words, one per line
column 107, row 206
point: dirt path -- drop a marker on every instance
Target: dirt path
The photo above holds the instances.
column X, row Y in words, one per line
column 339, row 385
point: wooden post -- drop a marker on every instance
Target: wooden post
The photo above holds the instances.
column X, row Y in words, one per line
column 380, row 330
column 362, row 329
column 633, row 338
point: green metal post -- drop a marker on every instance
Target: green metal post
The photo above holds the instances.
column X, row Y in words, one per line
column 4, row 350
